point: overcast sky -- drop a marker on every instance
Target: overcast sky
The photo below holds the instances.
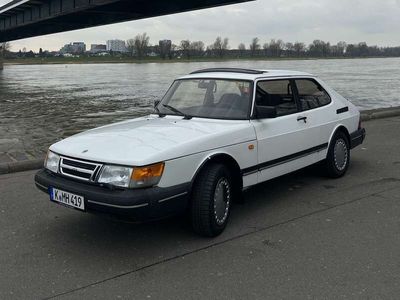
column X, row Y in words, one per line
column 373, row 21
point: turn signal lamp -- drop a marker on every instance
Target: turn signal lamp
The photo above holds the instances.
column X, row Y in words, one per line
column 147, row 175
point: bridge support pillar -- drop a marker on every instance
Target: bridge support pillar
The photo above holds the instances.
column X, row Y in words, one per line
column 1, row 57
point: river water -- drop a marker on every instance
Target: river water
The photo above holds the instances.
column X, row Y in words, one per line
column 40, row 104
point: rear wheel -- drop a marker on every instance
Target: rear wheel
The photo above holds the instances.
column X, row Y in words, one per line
column 211, row 200
column 338, row 158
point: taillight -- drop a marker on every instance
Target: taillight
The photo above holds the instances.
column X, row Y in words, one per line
column 359, row 123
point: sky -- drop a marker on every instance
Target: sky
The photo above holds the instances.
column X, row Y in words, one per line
column 376, row 22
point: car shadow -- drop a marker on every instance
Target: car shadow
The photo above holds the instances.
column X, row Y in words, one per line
column 96, row 238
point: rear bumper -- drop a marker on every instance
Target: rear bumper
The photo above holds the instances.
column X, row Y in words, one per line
column 138, row 204
column 357, row 137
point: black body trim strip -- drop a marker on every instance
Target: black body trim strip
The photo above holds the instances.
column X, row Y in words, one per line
column 342, row 110
column 282, row 160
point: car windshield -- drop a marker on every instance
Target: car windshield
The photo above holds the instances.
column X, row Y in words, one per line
column 207, row 98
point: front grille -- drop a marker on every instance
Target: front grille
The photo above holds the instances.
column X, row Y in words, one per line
column 79, row 169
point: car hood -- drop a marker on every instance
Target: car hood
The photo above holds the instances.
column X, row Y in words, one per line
column 152, row 139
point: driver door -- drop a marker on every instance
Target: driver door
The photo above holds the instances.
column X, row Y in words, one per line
column 285, row 142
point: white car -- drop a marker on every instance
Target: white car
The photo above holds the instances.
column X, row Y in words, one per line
column 213, row 134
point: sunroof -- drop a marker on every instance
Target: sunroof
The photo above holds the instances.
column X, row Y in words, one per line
column 229, row 70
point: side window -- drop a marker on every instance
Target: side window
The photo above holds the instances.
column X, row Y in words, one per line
column 311, row 94
column 277, row 94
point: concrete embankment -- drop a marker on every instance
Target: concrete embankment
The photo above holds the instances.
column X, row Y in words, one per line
column 20, row 160
column 380, row 113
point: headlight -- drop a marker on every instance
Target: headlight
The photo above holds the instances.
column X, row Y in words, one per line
column 137, row 177
column 52, row 161
column 116, row 175
column 147, row 176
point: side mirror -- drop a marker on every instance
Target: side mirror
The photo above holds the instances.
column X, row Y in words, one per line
column 265, row 112
column 156, row 102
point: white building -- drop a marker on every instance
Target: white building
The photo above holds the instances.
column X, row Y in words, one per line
column 74, row 48
column 116, row 46
column 97, row 48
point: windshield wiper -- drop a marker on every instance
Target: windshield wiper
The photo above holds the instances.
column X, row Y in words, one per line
column 177, row 111
column 160, row 114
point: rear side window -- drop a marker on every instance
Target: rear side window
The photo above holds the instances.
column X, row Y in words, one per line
column 311, row 94
column 278, row 94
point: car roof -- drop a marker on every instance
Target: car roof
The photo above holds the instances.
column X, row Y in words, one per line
column 243, row 74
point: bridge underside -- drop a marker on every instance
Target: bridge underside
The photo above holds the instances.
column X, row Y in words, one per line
column 27, row 18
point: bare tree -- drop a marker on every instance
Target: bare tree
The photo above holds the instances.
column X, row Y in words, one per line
column 254, row 46
column 165, row 48
column 299, row 48
column 130, row 46
column 289, row 48
column 185, row 48
column 174, row 48
column 220, row 46
column 319, row 48
column 266, row 49
column 341, row 48
column 242, row 49
column 141, row 44
column 196, row 48
column 275, row 47
column 5, row 47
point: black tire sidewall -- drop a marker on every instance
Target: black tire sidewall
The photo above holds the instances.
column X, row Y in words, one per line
column 202, row 200
column 333, row 171
column 222, row 173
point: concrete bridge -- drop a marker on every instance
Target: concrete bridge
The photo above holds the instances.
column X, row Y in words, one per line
column 28, row 18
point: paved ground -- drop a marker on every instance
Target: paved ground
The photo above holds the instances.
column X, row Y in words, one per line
column 300, row 236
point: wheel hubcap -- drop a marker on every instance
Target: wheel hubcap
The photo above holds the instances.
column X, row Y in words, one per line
column 222, row 201
column 340, row 154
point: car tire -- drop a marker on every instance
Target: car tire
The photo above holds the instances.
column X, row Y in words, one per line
column 211, row 200
column 338, row 157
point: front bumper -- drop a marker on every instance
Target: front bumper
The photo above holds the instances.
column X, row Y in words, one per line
column 138, row 204
column 357, row 137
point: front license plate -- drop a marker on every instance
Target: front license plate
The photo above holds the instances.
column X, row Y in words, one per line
column 67, row 198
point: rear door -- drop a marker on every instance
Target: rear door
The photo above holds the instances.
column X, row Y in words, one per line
column 285, row 142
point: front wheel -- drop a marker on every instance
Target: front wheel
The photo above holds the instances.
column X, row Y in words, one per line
column 338, row 158
column 211, row 200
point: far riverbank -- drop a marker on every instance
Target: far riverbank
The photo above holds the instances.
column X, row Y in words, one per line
column 133, row 60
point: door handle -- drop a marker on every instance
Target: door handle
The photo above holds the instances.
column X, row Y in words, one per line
column 300, row 118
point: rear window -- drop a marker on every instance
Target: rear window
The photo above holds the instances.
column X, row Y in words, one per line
column 278, row 94
column 311, row 94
